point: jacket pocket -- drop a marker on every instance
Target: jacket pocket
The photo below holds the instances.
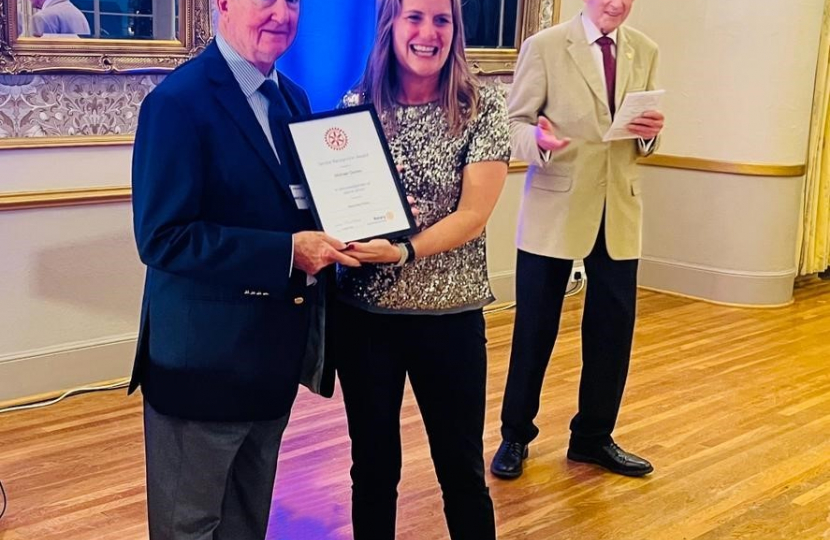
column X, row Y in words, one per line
column 559, row 181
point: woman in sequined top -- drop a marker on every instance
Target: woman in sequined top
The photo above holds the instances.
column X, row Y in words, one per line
column 415, row 308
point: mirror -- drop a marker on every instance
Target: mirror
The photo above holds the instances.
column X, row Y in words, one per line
column 100, row 36
column 491, row 24
column 496, row 28
column 99, row 19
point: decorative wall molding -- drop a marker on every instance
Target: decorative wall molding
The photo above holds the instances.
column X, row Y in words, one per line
column 736, row 288
column 121, row 194
column 67, row 197
column 66, row 142
column 707, row 165
column 725, row 167
column 517, row 167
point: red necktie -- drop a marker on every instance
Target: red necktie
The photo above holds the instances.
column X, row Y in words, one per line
column 610, row 64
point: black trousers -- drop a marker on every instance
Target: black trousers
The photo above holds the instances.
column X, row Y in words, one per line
column 446, row 360
column 607, row 333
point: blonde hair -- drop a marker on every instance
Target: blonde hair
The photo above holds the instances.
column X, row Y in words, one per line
column 458, row 87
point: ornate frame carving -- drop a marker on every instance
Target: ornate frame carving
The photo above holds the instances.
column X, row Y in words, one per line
column 536, row 15
column 30, row 55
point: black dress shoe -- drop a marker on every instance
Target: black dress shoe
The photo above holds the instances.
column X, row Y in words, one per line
column 507, row 463
column 613, row 458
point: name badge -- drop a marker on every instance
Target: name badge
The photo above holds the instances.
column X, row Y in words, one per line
column 300, row 197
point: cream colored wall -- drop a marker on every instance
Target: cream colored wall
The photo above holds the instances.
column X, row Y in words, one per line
column 501, row 239
column 739, row 80
column 64, row 168
column 71, row 279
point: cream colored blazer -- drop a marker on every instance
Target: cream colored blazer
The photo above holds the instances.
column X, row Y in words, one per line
column 563, row 200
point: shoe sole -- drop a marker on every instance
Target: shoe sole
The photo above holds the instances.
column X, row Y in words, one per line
column 506, row 476
column 579, row 458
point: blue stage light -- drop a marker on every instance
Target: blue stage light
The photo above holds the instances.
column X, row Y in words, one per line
column 329, row 54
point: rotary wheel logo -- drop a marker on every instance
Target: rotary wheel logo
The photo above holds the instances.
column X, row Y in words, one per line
column 336, row 138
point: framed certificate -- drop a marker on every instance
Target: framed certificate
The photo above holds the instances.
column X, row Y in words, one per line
column 352, row 183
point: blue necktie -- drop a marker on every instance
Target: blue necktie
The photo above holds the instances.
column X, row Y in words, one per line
column 278, row 113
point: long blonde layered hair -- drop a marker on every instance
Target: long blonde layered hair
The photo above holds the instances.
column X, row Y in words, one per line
column 458, row 87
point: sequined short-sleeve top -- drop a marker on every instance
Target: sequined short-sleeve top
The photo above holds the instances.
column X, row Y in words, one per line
column 433, row 160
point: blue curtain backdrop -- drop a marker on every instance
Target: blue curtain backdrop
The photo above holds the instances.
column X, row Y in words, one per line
column 329, row 54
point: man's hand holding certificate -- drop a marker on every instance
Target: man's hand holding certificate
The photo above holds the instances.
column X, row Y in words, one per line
column 639, row 116
column 348, row 172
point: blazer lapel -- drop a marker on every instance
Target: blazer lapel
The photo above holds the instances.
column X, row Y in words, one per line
column 625, row 61
column 580, row 51
column 230, row 95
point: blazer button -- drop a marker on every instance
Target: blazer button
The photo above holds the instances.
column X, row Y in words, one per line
column 299, row 301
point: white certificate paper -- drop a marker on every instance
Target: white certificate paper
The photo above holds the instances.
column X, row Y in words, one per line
column 633, row 105
column 349, row 176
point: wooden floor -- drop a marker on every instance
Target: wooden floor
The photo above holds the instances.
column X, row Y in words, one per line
column 732, row 406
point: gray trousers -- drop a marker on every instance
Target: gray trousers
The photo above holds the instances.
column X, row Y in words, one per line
column 209, row 480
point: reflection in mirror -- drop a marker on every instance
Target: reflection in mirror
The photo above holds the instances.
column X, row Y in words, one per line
column 101, row 19
column 491, row 24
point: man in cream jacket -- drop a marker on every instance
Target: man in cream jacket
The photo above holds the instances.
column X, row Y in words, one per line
column 581, row 201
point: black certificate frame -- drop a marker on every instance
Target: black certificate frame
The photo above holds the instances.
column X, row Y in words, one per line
column 384, row 143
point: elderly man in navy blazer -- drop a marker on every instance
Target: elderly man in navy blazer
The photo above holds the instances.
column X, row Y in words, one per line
column 222, row 224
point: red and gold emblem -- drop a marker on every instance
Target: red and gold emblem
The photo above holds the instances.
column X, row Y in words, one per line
column 336, row 138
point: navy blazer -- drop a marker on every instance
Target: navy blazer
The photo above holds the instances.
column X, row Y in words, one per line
column 223, row 326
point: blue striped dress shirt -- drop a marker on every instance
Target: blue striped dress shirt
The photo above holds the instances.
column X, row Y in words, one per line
column 250, row 79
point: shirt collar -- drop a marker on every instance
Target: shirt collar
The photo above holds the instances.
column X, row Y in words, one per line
column 592, row 33
column 245, row 73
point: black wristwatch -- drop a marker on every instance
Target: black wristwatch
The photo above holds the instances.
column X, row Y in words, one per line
column 410, row 251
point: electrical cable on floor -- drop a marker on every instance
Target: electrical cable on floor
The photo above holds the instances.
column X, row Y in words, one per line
column 81, row 390
column 5, row 501
column 577, row 287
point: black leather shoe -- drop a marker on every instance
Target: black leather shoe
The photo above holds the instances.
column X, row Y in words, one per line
column 613, row 458
column 507, row 463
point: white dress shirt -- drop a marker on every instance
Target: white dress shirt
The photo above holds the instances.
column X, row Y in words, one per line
column 592, row 34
